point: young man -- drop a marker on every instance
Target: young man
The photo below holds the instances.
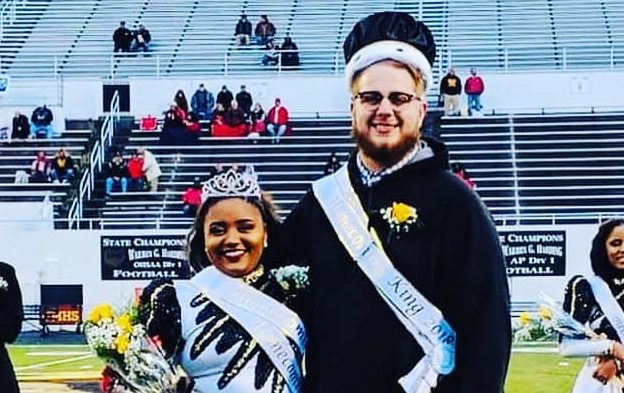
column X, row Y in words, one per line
column 407, row 271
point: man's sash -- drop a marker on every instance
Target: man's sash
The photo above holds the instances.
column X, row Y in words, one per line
column 608, row 304
column 269, row 322
column 421, row 318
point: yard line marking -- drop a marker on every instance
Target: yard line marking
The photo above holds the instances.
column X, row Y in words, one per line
column 45, row 364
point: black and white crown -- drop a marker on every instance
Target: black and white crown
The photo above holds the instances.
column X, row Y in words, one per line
column 232, row 183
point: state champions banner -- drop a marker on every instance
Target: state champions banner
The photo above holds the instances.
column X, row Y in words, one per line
column 534, row 253
column 144, row 257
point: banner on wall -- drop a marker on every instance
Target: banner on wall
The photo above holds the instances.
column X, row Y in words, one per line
column 534, row 253
column 143, row 257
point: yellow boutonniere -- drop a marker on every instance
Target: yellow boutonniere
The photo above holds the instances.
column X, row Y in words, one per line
column 400, row 216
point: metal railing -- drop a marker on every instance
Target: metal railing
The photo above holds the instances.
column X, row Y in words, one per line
column 8, row 13
column 312, row 61
column 96, row 159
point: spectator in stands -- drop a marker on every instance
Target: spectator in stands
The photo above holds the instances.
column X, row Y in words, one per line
column 265, row 30
column 41, row 123
column 135, row 172
column 225, row 97
column 192, row 198
column 193, row 128
column 182, row 103
column 242, row 33
column 11, row 317
column 151, row 169
column 173, row 126
column 290, row 53
column 122, row 38
column 142, row 38
column 40, row 169
column 244, row 100
column 460, row 171
column 450, row 90
column 271, row 53
column 474, row 88
column 116, row 174
column 21, row 127
column 217, row 122
column 277, row 121
column 202, row 102
column 236, row 120
column 332, row 164
column 148, row 123
column 258, row 125
column 62, row 167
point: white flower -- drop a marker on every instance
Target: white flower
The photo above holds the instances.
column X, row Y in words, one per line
column 292, row 278
column 4, row 285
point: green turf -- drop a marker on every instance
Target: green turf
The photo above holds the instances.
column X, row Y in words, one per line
column 541, row 373
column 528, row 373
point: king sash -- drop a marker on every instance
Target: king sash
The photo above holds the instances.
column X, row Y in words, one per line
column 421, row 318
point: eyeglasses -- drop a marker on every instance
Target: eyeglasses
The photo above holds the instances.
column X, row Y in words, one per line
column 374, row 98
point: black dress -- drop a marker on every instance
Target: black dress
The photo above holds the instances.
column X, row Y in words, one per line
column 11, row 316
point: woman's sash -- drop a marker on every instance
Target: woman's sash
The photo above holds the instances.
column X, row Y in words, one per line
column 269, row 322
column 610, row 307
column 421, row 318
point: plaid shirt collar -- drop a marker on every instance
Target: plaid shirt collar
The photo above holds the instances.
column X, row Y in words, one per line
column 420, row 152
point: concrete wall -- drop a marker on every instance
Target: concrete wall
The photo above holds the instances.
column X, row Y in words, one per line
column 73, row 257
column 82, row 98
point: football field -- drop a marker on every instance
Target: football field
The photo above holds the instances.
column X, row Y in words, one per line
column 534, row 369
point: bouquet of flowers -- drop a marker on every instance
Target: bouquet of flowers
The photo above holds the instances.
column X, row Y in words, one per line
column 531, row 327
column 135, row 361
column 562, row 322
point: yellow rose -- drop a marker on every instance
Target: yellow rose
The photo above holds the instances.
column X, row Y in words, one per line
column 525, row 318
column 121, row 343
column 545, row 313
column 125, row 323
column 103, row 311
column 402, row 212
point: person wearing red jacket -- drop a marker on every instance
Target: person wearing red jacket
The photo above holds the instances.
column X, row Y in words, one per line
column 277, row 121
column 192, row 198
column 474, row 88
column 135, row 172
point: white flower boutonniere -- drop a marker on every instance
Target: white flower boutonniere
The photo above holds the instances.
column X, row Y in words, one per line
column 4, row 285
column 292, row 278
column 400, row 216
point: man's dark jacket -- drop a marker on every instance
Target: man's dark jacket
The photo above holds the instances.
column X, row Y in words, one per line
column 11, row 316
column 451, row 255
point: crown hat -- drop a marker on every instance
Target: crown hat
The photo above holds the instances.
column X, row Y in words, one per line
column 389, row 35
column 232, row 183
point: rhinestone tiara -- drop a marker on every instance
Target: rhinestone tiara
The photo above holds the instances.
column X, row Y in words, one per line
column 232, row 183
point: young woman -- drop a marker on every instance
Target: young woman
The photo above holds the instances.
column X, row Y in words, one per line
column 232, row 327
column 598, row 301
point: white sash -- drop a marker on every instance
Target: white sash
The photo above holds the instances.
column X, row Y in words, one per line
column 608, row 304
column 269, row 322
column 421, row 318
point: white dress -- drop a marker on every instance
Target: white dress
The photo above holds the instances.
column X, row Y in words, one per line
column 212, row 347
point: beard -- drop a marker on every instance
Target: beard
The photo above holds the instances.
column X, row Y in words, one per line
column 384, row 154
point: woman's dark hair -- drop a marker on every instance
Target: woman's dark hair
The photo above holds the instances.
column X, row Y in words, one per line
column 598, row 255
column 195, row 239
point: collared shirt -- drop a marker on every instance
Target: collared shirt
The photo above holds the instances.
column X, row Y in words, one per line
column 420, row 152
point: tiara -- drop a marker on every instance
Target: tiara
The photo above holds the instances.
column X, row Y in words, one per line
column 232, row 183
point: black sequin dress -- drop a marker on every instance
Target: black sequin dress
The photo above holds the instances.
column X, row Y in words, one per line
column 211, row 346
column 580, row 303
